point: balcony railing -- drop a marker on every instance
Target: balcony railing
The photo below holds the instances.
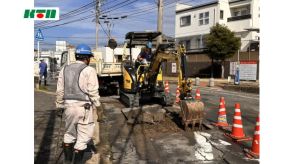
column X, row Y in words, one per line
column 239, row 18
column 196, row 50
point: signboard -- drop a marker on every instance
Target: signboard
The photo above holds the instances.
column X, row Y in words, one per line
column 42, row 13
column 248, row 70
column 174, row 67
column 233, row 67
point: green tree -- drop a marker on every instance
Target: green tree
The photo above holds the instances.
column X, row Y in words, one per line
column 221, row 44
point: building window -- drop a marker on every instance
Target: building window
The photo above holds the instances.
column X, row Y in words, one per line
column 185, row 21
column 241, row 11
column 200, row 41
column 237, row 13
column 221, row 14
column 199, row 44
column 186, row 43
column 244, row 12
column 203, row 18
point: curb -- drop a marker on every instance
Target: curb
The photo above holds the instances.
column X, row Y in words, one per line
column 230, row 87
column 248, row 89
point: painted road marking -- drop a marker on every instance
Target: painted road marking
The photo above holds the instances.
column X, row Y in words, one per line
column 224, row 142
column 203, row 149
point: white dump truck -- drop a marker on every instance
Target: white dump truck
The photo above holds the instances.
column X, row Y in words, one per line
column 108, row 65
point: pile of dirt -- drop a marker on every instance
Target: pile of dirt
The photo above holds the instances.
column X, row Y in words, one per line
column 166, row 126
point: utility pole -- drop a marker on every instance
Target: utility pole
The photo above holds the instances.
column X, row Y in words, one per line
column 97, row 21
column 159, row 21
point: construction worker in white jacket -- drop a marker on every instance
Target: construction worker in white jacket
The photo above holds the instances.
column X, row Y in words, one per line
column 77, row 94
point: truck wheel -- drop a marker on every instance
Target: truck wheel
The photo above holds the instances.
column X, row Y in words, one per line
column 163, row 101
column 117, row 91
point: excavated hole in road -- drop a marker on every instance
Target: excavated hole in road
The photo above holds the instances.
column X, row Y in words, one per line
column 174, row 116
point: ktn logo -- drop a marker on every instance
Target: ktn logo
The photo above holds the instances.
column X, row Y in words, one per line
column 42, row 13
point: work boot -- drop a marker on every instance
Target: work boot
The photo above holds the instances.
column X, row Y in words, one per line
column 68, row 152
column 78, row 157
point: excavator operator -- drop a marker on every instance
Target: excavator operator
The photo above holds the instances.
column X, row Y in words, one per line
column 144, row 55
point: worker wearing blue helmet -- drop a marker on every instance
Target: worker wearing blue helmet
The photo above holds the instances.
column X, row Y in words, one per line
column 77, row 94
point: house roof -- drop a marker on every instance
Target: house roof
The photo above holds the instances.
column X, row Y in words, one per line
column 206, row 4
column 198, row 6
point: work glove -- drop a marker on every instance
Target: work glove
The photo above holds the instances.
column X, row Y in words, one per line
column 59, row 112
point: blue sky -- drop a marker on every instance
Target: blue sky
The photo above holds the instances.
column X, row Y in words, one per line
column 141, row 15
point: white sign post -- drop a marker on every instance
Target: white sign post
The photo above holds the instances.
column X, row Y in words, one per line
column 39, row 37
column 233, row 67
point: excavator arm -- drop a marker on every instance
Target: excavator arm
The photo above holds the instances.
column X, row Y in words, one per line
column 179, row 57
column 192, row 111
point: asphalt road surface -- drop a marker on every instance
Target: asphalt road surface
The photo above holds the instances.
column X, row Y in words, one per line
column 163, row 142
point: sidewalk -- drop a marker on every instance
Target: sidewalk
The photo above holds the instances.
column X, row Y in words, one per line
column 245, row 86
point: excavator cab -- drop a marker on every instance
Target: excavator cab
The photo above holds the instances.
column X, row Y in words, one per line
column 138, row 86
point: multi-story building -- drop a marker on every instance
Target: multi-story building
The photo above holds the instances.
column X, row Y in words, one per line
column 240, row 16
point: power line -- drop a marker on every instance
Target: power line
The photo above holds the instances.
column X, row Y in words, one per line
column 134, row 11
column 76, row 20
column 84, row 37
column 70, row 14
column 88, row 16
column 107, row 11
column 117, row 6
column 104, row 31
column 120, row 6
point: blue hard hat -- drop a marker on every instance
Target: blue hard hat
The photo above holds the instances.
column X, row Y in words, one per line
column 83, row 49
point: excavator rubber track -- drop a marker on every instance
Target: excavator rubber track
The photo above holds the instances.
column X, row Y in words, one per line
column 131, row 100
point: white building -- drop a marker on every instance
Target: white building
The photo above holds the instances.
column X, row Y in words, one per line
column 60, row 46
column 193, row 22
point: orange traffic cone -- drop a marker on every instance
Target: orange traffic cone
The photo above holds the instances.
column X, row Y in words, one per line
column 166, row 87
column 222, row 99
column 197, row 96
column 237, row 129
column 222, row 116
column 178, row 95
column 254, row 152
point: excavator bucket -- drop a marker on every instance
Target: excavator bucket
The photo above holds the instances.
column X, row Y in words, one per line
column 192, row 112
